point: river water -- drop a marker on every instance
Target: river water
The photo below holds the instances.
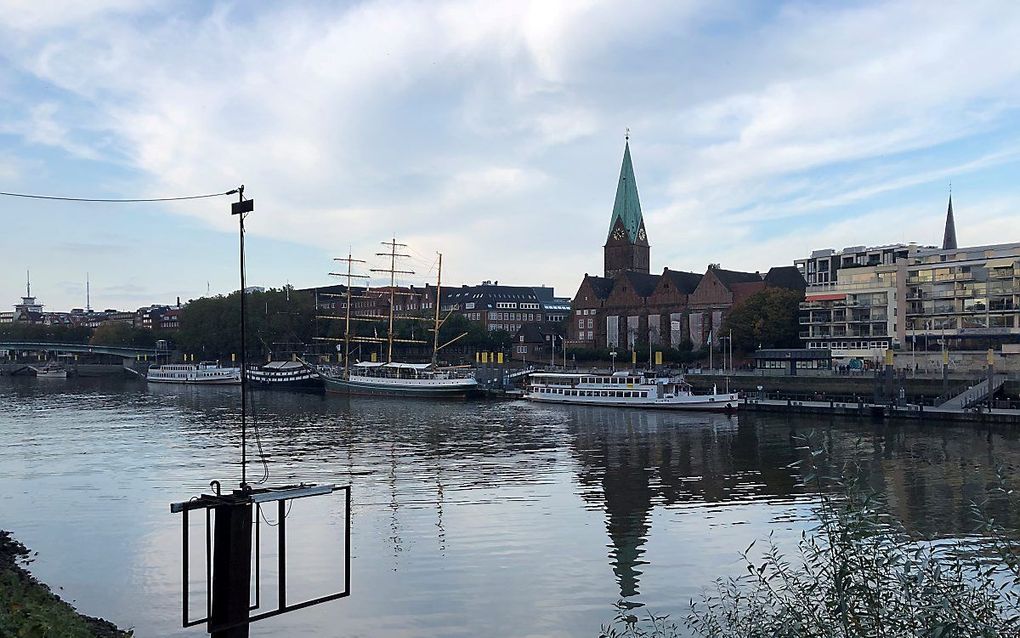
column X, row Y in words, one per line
column 468, row 519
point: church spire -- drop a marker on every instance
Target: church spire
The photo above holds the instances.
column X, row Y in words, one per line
column 627, row 207
column 949, row 238
column 626, row 247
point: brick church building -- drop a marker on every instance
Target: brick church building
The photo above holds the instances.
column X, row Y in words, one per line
column 630, row 305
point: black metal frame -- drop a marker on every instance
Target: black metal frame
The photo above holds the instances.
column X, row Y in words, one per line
column 207, row 502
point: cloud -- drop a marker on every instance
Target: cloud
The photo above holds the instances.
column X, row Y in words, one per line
column 491, row 130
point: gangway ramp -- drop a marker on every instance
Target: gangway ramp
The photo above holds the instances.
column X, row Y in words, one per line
column 974, row 394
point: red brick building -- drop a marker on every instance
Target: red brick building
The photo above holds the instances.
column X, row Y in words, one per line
column 628, row 305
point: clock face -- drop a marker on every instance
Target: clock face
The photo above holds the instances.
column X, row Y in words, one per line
column 618, row 233
column 641, row 234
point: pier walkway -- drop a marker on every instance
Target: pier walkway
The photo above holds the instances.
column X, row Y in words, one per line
column 974, row 394
column 861, row 408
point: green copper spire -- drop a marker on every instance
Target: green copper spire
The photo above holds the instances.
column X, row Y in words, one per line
column 627, row 207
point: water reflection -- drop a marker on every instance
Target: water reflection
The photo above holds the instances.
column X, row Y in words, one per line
column 469, row 518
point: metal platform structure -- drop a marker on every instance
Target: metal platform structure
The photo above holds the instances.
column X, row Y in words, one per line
column 230, row 523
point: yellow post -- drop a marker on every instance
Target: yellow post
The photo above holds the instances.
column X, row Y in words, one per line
column 492, row 358
column 633, row 357
column 888, row 356
column 991, row 357
column 945, row 357
column 500, row 355
column 233, row 357
column 373, row 357
column 658, row 358
column 478, row 357
column 485, row 357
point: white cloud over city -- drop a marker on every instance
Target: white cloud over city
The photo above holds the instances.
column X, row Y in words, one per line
column 493, row 131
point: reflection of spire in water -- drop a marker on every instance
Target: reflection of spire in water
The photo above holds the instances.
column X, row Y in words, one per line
column 439, row 514
column 394, row 525
column 628, row 502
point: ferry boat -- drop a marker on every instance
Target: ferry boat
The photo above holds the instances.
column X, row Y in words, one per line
column 50, row 371
column 286, row 375
column 204, row 373
column 625, row 389
column 400, row 379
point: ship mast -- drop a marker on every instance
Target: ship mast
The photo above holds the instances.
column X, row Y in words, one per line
column 392, row 254
column 350, row 261
column 439, row 296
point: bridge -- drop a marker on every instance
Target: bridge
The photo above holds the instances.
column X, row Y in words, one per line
column 125, row 352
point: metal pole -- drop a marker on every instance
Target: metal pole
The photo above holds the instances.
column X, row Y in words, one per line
column 244, row 350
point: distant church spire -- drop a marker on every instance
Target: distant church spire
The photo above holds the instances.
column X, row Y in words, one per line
column 626, row 246
column 949, row 238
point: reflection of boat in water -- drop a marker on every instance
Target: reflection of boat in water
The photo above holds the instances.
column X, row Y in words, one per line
column 614, row 419
column 204, row 373
column 285, row 375
column 625, row 390
column 50, row 371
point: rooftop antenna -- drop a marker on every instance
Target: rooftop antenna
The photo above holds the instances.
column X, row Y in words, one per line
column 232, row 521
column 88, row 294
column 28, row 283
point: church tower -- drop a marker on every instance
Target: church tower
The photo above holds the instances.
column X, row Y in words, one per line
column 949, row 237
column 626, row 245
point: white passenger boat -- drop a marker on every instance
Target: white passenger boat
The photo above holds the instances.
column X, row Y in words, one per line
column 204, row 373
column 50, row 371
column 624, row 389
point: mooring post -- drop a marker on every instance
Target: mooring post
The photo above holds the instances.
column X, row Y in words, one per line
column 231, row 577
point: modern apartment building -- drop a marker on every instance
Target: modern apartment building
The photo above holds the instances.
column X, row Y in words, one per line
column 858, row 316
column 861, row 301
column 968, row 297
column 823, row 266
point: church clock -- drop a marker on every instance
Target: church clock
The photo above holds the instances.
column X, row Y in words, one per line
column 618, row 233
column 641, row 234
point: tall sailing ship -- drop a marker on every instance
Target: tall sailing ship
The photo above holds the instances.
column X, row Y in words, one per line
column 390, row 377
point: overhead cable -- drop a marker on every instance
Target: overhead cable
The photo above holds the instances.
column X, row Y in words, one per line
column 117, row 201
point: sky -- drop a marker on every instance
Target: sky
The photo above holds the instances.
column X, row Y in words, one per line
column 491, row 131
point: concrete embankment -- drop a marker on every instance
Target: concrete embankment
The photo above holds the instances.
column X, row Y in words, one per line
column 1008, row 418
column 79, row 369
column 29, row 608
column 836, row 386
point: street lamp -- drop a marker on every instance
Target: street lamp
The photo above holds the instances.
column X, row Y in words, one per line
column 612, row 356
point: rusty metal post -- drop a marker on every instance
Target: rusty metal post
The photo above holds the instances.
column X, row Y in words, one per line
column 231, row 577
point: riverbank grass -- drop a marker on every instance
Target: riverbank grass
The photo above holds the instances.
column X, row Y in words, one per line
column 28, row 609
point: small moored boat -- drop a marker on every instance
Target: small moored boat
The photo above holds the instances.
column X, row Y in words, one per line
column 50, row 371
column 625, row 389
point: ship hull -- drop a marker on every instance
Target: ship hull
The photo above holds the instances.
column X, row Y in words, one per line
column 195, row 381
column 720, row 403
column 389, row 388
column 307, row 384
